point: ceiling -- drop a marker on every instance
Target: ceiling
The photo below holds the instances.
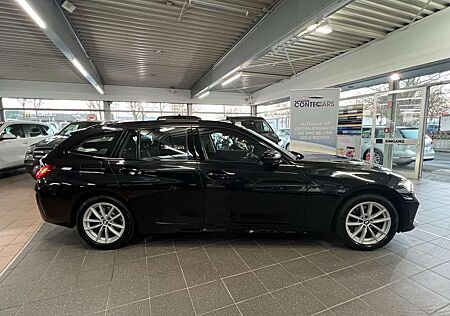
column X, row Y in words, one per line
column 172, row 44
column 150, row 43
column 359, row 22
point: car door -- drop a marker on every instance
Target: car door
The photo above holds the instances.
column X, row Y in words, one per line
column 239, row 192
column 158, row 173
column 12, row 151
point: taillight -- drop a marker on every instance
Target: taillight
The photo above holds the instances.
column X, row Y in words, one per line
column 44, row 171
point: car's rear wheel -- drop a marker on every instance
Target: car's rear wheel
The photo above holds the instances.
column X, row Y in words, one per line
column 367, row 222
column 105, row 223
column 377, row 156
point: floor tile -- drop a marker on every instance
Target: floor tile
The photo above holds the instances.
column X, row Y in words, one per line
column 192, row 256
column 127, row 291
column 356, row 281
column 87, row 301
column 200, row 273
column 244, row 286
column 162, row 263
column 225, row 311
column 51, row 306
column 130, row 253
column 261, row 306
column 419, row 295
column 434, row 282
column 327, row 261
column 165, row 282
column 302, row 269
column 275, row 277
column 141, row 308
column 130, row 270
column 388, row 303
column 210, row 296
column 159, row 248
column 173, row 304
column 328, row 291
column 354, row 307
column 297, row 300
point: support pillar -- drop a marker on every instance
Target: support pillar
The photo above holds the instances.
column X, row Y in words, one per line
column 2, row 112
column 107, row 110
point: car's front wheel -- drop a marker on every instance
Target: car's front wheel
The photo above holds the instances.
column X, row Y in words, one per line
column 105, row 223
column 367, row 222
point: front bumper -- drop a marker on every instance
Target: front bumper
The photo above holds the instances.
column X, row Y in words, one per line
column 409, row 210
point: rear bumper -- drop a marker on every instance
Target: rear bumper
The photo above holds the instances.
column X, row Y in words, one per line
column 52, row 209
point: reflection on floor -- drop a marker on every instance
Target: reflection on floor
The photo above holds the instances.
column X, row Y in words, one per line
column 19, row 217
column 204, row 274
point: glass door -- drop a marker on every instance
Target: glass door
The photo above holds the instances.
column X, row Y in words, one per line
column 397, row 135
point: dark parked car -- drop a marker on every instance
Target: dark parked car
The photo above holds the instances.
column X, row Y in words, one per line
column 38, row 150
column 256, row 124
column 170, row 175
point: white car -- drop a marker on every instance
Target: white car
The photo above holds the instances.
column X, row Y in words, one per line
column 16, row 137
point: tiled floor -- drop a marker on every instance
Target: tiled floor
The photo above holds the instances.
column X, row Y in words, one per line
column 19, row 217
column 225, row 274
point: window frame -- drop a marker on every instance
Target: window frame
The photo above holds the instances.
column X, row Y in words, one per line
column 118, row 141
column 231, row 130
column 189, row 134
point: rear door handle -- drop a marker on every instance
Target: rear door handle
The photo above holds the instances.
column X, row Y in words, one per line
column 219, row 174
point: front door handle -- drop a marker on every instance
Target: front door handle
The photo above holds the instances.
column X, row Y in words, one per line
column 219, row 174
column 130, row 171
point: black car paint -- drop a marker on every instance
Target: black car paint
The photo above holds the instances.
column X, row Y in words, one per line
column 196, row 195
column 38, row 150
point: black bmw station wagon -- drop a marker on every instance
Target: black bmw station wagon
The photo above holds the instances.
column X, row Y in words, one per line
column 188, row 174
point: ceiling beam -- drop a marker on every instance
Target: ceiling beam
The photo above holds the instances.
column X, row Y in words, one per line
column 60, row 32
column 287, row 19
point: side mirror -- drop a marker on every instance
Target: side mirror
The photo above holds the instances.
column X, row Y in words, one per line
column 7, row 136
column 270, row 160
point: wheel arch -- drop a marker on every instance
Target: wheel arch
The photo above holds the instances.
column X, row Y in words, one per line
column 96, row 193
column 382, row 191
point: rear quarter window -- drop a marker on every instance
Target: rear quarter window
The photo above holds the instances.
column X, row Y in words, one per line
column 98, row 145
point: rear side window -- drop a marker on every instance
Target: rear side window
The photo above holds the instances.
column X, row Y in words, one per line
column 98, row 145
column 35, row 130
column 164, row 143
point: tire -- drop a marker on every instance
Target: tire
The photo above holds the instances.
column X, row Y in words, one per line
column 386, row 222
column 120, row 227
column 378, row 159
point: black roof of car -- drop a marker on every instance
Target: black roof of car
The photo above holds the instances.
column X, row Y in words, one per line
column 243, row 118
column 143, row 124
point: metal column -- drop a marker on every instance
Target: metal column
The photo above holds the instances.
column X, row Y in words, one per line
column 107, row 110
column 2, row 112
column 189, row 108
column 253, row 110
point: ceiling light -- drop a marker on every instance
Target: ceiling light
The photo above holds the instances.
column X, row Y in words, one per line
column 312, row 27
column 325, row 29
column 80, row 68
column 24, row 4
column 231, row 79
column 395, row 76
column 100, row 90
column 68, row 6
column 201, row 96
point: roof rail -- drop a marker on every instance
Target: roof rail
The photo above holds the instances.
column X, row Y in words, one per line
column 178, row 117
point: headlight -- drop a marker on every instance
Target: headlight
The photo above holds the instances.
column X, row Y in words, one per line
column 406, row 184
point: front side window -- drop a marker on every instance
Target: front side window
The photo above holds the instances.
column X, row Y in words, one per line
column 164, row 143
column 227, row 145
column 15, row 130
column 98, row 145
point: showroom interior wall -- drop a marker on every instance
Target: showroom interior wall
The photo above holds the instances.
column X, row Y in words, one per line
column 416, row 45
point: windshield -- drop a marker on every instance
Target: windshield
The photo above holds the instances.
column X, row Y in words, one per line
column 259, row 126
column 72, row 127
column 410, row 133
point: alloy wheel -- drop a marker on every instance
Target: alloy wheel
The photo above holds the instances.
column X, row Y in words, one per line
column 103, row 223
column 368, row 223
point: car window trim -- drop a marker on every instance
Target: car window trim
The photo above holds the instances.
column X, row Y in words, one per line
column 206, row 159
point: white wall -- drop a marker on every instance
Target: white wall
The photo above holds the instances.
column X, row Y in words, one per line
column 81, row 91
column 423, row 42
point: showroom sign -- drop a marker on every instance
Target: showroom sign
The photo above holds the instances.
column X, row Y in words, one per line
column 314, row 119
